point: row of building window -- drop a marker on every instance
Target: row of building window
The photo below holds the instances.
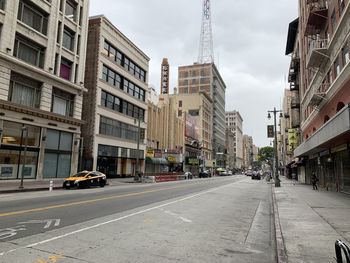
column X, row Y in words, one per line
column 122, row 83
column 119, row 129
column 121, row 59
column 117, row 104
column 27, row 92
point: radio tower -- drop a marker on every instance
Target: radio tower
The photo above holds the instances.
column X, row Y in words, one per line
column 206, row 53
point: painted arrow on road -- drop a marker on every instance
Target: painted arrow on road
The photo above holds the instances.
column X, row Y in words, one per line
column 47, row 221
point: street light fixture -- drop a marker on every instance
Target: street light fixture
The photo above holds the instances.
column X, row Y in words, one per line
column 277, row 179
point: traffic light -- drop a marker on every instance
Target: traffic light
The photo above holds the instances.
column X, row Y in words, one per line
column 270, row 131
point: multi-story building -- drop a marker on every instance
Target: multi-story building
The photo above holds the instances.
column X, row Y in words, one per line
column 115, row 107
column 248, row 152
column 42, row 65
column 230, row 149
column 290, row 123
column 206, row 78
column 234, row 122
column 165, row 136
column 198, row 106
column 324, row 92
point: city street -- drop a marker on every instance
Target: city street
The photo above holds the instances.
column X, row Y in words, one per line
column 221, row 219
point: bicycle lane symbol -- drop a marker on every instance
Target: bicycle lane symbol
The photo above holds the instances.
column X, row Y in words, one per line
column 11, row 231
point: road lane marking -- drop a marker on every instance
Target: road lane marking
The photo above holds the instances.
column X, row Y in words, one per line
column 40, row 209
column 47, row 221
column 113, row 220
column 177, row 216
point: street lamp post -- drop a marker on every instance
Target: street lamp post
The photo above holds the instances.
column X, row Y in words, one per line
column 136, row 175
column 277, row 179
column 24, row 128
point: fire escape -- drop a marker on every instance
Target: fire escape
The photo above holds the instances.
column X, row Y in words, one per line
column 317, row 54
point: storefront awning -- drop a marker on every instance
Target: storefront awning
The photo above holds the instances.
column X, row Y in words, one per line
column 336, row 129
column 156, row 160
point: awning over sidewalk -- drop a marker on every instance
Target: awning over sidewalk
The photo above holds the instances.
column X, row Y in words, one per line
column 336, row 129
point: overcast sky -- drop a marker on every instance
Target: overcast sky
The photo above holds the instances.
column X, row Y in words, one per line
column 249, row 43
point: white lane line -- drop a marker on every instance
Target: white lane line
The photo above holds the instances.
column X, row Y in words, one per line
column 112, row 221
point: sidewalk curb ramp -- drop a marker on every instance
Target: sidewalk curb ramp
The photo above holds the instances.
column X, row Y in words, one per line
column 280, row 248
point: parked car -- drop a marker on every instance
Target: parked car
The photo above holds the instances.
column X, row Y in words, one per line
column 256, row 175
column 205, row 174
column 230, row 172
column 85, row 179
column 249, row 173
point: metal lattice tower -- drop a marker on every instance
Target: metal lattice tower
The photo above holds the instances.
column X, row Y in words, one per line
column 206, row 53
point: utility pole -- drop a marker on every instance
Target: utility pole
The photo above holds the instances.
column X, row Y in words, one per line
column 277, row 179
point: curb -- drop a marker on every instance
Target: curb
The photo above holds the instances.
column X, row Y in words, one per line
column 10, row 191
column 280, row 247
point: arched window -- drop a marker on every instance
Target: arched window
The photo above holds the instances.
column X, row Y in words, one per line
column 340, row 105
column 307, row 136
column 326, row 118
column 313, row 129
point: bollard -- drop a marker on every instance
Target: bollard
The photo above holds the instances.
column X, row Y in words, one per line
column 51, row 186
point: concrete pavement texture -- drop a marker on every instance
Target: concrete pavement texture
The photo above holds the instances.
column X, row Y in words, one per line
column 311, row 221
column 230, row 223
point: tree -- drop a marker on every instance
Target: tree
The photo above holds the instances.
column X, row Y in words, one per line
column 266, row 154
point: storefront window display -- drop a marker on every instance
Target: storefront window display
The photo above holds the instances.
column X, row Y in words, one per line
column 12, row 148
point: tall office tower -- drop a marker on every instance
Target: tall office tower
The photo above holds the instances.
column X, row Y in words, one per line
column 42, row 65
column 234, row 122
column 206, row 78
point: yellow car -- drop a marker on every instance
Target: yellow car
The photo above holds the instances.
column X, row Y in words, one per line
column 85, row 179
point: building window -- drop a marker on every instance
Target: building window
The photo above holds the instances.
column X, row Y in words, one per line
column 124, row 61
column 2, row 4
column 33, row 17
column 65, row 69
column 115, row 79
column 29, row 51
column 24, row 91
column 117, row 129
column 180, row 103
column 341, row 6
column 68, row 39
column 71, row 11
column 333, row 21
column 345, row 53
column 13, row 141
column 114, row 103
column 62, row 103
column 58, row 154
column 336, row 67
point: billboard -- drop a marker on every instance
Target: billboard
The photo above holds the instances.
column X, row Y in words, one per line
column 191, row 127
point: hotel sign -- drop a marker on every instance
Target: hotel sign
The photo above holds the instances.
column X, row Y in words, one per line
column 165, row 77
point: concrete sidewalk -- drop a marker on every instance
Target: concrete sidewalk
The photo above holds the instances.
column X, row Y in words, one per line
column 12, row 186
column 311, row 221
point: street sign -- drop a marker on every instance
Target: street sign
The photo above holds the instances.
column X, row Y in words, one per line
column 270, row 131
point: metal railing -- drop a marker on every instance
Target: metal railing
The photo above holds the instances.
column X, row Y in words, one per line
column 315, row 45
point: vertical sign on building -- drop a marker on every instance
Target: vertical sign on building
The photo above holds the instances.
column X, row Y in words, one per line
column 164, row 83
column 270, row 131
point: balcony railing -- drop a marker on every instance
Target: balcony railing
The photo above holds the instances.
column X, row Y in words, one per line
column 317, row 15
column 295, row 103
column 317, row 94
column 318, row 51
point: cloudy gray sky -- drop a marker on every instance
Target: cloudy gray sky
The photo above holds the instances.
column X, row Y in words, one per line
column 249, row 43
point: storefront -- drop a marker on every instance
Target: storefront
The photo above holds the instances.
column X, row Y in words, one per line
column 328, row 153
column 36, row 152
column 15, row 138
column 118, row 161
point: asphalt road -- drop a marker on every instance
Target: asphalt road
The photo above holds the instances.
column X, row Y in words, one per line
column 222, row 219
